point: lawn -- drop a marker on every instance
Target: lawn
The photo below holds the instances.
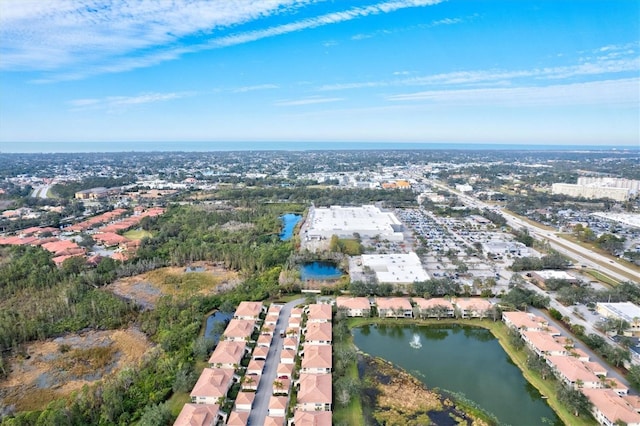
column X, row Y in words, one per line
column 177, row 401
column 351, row 414
column 603, row 278
column 137, row 234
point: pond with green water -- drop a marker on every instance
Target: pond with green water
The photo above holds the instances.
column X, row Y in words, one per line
column 460, row 359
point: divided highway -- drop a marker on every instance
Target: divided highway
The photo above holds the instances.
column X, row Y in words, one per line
column 572, row 250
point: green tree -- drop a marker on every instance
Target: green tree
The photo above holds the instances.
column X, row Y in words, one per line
column 633, row 376
column 575, row 400
column 156, row 414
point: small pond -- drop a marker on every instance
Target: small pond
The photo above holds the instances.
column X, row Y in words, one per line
column 319, row 271
column 289, row 222
column 212, row 320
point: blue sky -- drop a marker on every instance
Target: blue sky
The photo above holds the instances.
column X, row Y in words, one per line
column 523, row 72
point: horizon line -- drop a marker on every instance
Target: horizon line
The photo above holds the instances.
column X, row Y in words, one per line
column 289, row 146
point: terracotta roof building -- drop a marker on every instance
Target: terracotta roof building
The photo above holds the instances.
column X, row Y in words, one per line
column 354, row 306
column 394, row 307
column 436, row 307
column 199, row 415
column 574, row 372
column 319, row 333
column 524, row 321
column 278, row 406
column 473, row 308
column 608, row 408
column 239, row 330
column 314, row 393
column 249, row 310
column 238, row 418
column 312, row 418
column 228, row 354
column 212, row 384
column 319, row 312
column 316, row 359
column 543, row 344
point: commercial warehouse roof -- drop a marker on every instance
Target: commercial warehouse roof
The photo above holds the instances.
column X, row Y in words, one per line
column 368, row 221
column 396, row 268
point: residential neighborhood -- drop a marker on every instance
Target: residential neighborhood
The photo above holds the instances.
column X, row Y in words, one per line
column 291, row 373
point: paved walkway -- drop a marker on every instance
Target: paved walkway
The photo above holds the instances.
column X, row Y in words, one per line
column 260, row 408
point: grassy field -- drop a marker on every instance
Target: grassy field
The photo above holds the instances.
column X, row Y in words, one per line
column 603, row 278
column 500, row 331
column 352, row 414
column 177, row 401
column 137, row 234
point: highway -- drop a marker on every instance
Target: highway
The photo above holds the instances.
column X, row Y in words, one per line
column 572, row 250
column 580, row 254
column 41, row 191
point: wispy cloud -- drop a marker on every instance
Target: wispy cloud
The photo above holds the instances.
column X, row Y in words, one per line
column 591, row 67
column 72, row 39
column 622, row 92
column 447, row 21
column 319, row 21
column 307, row 101
column 245, row 89
column 388, row 31
column 120, row 103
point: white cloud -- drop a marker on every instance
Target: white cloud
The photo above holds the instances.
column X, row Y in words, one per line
column 119, row 103
column 307, row 101
column 72, row 39
column 447, row 21
column 622, row 92
column 319, row 21
column 256, row 87
column 587, row 68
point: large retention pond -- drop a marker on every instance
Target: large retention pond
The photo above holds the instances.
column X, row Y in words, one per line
column 461, row 359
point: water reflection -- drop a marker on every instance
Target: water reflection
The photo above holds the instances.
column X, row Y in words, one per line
column 463, row 360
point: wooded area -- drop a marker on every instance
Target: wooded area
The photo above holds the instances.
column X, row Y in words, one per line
column 40, row 301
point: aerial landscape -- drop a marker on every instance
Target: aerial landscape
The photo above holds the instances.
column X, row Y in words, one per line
column 315, row 212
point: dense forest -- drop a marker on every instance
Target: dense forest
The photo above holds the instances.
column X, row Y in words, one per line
column 320, row 197
column 40, row 301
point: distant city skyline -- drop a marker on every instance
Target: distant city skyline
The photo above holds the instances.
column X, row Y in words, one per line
column 99, row 75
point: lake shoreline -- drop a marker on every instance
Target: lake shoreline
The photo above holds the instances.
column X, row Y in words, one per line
column 499, row 331
column 386, row 399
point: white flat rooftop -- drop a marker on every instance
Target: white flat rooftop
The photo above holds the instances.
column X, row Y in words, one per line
column 553, row 274
column 625, row 310
column 396, row 268
column 368, row 221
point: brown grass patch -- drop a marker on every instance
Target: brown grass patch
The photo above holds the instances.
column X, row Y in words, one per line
column 145, row 289
column 83, row 361
column 54, row 368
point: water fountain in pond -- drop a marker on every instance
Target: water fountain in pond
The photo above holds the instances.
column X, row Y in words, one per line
column 415, row 343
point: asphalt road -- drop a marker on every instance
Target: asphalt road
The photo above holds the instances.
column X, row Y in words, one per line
column 611, row 373
column 260, row 408
column 574, row 251
column 580, row 254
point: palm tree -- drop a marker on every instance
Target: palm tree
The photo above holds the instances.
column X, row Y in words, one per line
column 248, row 380
column 278, row 385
